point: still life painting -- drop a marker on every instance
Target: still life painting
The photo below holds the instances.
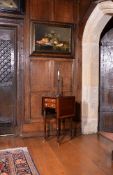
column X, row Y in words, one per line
column 51, row 38
column 8, row 4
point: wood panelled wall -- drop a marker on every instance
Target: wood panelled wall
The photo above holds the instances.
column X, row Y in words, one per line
column 54, row 10
column 41, row 72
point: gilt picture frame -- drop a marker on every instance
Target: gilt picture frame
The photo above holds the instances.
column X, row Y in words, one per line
column 51, row 39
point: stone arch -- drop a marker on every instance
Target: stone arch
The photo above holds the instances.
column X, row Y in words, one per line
column 90, row 65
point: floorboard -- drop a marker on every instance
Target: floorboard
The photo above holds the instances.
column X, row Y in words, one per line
column 108, row 135
column 83, row 155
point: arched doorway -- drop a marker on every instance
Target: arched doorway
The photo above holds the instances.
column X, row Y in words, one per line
column 90, row 65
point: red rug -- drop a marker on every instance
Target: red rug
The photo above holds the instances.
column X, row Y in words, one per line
column 16, row 161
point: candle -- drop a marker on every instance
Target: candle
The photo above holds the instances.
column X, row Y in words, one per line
column 58, row 75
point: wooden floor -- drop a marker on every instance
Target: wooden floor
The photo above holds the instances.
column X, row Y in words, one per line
column 83, row 155
column 108, row 135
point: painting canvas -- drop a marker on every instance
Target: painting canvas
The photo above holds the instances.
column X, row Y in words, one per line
column 51, row 38
column 12, row 6
column 8, row 4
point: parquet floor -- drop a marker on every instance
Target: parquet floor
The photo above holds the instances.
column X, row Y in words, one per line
column 83, row 155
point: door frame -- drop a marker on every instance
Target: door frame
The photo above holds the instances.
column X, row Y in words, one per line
column 18, row 25
column 101, row 14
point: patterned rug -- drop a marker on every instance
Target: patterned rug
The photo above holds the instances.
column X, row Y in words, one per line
column 16, row 161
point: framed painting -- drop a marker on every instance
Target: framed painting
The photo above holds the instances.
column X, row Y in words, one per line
column 51, row 39
column 12, row 6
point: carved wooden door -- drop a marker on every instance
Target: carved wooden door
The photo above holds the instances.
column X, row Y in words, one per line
column 106, row 83
column 7, row 79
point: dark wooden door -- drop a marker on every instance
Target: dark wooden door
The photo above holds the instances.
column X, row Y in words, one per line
column 7, row 79
column 106, row 83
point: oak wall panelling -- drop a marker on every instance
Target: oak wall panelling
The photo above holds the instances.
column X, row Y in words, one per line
column 66, row 72
column 83, row 7
column 53, row 10
column 64, row 11
column 41, row 10
column 43, row 78
column 41, row 85
column 40, row 75
column 41, row 71
column 36, row 106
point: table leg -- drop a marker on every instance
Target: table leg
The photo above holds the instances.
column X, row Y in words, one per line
column 71, row 127
column 45, row 124
column 58, row 130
